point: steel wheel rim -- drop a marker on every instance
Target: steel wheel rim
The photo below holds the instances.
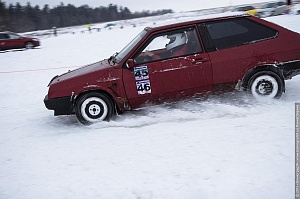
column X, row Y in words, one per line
column 264, row 86
column 29, row 45
column 94, row 109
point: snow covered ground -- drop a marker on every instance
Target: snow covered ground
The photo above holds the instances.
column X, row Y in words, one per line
column 228, row 146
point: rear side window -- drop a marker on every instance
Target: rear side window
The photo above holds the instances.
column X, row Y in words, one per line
column 233, row 32
column 3, row 36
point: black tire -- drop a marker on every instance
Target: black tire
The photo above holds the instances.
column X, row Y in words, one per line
column 94, row 107
column 266, row 84
column 29, row 45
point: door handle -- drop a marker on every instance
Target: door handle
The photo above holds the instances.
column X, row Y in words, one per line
column 199, row 60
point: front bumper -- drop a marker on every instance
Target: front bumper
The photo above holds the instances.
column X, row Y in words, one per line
column 61, row 106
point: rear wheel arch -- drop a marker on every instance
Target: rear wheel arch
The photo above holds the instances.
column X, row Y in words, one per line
column 260, row 69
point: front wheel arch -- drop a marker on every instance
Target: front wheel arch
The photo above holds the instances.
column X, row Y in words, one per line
column 29, row 45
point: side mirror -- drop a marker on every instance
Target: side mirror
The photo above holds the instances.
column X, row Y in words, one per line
column 130, row 63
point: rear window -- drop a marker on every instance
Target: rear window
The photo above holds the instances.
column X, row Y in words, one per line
column 234, row 32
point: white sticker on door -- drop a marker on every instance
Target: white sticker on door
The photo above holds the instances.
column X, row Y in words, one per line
column 141, row 73
column 143, row 87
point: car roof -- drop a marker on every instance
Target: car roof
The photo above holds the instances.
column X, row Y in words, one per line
column 182, row 21
column 7, row 32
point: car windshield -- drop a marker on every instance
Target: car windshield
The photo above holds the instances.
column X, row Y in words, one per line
column 14, row 36
column 129, row 46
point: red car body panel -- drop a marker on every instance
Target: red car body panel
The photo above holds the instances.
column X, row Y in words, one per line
column 181, row 76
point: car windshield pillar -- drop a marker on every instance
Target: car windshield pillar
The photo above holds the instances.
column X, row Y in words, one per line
column 120, row 56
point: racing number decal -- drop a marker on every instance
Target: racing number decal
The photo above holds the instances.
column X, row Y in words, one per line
column 143, row 87
column 141, row 75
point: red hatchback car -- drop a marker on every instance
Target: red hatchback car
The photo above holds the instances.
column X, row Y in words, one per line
column 179, row 60
column 9, row 40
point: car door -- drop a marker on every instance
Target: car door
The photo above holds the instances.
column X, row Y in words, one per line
column 168, row 70
column 143, row 84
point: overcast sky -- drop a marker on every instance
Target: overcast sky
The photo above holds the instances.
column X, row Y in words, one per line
column 135, row 5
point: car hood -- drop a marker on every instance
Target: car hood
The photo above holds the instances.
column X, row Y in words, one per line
column 81, row 71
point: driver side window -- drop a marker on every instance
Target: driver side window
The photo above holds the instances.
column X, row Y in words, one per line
column 155, row 50
column 169, row 45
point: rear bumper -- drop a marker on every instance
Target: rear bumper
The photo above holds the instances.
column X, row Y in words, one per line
column 290, row 69
column 61, row 106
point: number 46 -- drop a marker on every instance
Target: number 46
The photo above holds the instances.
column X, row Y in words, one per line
column 143, row 87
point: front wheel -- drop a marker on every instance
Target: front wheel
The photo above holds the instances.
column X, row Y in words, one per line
column 29, row 45
column 94, row 107
column 266, row 84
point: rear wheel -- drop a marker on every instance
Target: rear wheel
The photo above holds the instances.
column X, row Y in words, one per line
column 266, row 84
column 94, row 107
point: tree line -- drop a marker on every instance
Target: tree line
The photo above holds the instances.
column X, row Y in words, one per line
column 18, row 18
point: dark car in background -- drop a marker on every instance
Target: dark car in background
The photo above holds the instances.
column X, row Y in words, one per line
column 10, row 40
